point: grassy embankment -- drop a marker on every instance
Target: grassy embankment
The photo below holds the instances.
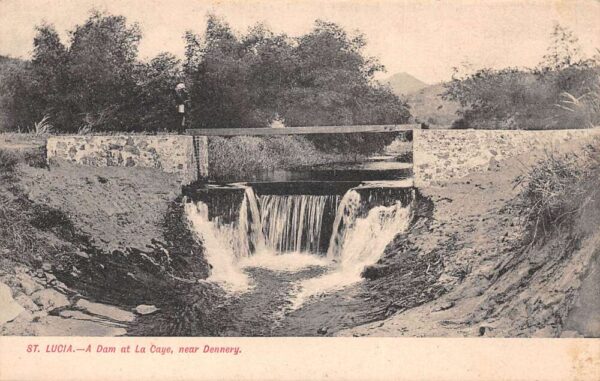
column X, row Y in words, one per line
column 239, row 157
column 242, row 157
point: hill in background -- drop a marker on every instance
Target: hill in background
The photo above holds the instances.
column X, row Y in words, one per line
column 426, row 103
column 404, row 83
column 427, row 106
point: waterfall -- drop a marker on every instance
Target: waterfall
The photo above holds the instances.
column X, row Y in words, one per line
column 294, row 223
column 291, row 232
column 221, row 247
column 250, row 225
column 359, row 239
column 344, row 220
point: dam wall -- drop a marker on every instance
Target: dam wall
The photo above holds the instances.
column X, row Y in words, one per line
column 183, row 155
column 443, row 155
column 438, row 155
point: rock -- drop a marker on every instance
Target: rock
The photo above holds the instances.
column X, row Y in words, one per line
column 39, row 315
column 110, row 312
column 50, row 278
column 24, row 317
column 9, row 308
column 375, row 271
column 20, row 269
column 26, row 302
column 22, row 325
column 443, row 306
column 50, row 299
column 28, row 284
column 322, row 330
column 46, row 266
column 60, row 286
column 81, row 254
column 145, row 309
column 57, row 326
column 74, row 314
column 483, row 329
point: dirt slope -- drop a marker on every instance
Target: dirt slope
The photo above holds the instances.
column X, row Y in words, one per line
column 493, row 289
column 116, row 207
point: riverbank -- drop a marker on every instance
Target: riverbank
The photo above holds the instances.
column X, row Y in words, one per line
column 87, row 250
column 492, row 284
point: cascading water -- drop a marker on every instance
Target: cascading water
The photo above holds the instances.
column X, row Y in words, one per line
column 359, row 239
column 291, row 232
column 294, row 223
column 220, row 247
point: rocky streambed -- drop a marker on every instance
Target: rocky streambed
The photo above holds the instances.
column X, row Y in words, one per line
column 45, row 306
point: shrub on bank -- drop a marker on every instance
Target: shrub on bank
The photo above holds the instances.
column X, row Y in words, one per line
column 558, row 190
column 243, row 156
column 8, row 161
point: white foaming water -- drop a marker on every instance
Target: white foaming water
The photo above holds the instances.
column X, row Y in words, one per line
column 345, row 219
column 221, row 244
column 283, row 262
column 283, row 233
column 259, row 236
column 250, row 228
column 360, row 242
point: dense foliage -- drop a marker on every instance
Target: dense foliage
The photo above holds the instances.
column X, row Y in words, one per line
column 560, row 190
column 97, row 82
column 562, row 92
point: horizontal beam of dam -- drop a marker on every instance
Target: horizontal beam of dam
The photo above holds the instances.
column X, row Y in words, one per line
column 301, row 130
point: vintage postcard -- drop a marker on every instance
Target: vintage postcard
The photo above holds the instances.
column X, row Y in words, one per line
column 261, row 189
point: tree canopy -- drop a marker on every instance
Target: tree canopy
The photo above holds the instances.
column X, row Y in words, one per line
column 96, row 82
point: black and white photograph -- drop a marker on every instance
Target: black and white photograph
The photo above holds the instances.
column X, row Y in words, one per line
column 415, row 169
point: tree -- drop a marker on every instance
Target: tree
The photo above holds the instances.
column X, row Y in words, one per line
column 101, row 73
column 48, row 75
column 321, row 78
column 564, row 49
column 15, row 86
column 155, row 107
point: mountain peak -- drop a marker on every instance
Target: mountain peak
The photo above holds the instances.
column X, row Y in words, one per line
column 404, row 83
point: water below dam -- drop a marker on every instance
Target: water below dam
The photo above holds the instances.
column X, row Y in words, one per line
column 289, row 251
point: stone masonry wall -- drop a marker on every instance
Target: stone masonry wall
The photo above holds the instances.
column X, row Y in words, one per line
column 171, row 153
column 441, row 155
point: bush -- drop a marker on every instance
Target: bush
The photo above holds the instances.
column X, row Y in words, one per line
column 8, row 162
column 563, row 91
column 239, row 157
column 558, row 190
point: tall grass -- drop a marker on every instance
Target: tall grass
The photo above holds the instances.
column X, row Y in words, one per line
column 43, row 127
column 239, row 157
column 558, row 189
column 583, row 110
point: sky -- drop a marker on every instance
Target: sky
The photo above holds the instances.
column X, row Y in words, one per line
column 424, row 38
